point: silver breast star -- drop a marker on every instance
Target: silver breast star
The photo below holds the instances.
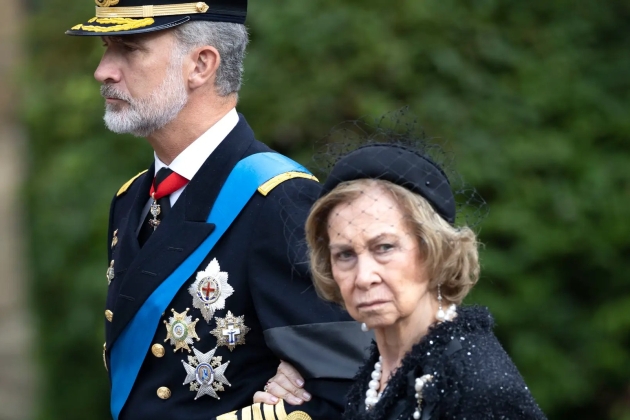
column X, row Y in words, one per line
column 210, row 290
column 205, row 373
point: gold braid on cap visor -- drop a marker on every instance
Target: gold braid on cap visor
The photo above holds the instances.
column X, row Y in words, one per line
column 118, row 24
column 134, row 17
column 151, row 10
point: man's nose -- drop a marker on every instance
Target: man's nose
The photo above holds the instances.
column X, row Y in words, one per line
column 107, row 70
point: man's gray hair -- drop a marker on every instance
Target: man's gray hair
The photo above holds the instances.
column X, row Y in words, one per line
column 230, row 39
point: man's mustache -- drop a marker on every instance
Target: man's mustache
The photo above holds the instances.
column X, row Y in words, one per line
column 108, row 91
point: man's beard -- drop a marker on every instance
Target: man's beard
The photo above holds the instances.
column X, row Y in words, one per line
column 143, row 116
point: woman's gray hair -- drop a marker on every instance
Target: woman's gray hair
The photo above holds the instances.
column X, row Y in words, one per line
column 450, row 254
column 230, row 39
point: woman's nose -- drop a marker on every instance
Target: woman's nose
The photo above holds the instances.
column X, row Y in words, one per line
column 367, row 271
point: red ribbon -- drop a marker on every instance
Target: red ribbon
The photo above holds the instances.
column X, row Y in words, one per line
column 172, row 183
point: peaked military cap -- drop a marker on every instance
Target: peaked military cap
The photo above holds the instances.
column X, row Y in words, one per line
column 126, row 17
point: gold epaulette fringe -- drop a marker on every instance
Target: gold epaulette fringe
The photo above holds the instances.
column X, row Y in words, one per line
column 264, row 412
column 266, row 188
column 127, row 184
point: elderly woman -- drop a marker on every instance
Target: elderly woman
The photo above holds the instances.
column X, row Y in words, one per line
column 383, row 245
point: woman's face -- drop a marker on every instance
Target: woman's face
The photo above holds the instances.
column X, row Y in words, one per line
column 375, row 259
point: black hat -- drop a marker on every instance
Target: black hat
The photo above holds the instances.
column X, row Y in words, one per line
column 399, row 165
column 126, row 17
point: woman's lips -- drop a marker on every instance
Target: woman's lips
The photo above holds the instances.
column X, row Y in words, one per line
column 371, row 304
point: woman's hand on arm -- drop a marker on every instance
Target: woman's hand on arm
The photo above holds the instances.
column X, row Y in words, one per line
column 286, row 384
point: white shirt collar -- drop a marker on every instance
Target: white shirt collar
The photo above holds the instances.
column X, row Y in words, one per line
column 188, row 162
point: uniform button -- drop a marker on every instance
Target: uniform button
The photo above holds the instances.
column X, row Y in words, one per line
column 157, row 350
column 164, row 393
column 109, row 315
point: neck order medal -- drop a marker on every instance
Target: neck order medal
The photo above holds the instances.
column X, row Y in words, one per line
column 210, row 290
column 155, row 212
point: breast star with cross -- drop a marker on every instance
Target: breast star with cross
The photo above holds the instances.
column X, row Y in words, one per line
column 230, row 331
column 210, row 290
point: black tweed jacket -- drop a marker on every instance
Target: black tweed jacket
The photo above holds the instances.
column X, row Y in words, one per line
column 474, row 378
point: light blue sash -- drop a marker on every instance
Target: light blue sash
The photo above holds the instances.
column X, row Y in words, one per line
column 130, row 349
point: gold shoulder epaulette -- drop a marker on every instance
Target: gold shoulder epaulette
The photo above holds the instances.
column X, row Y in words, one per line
column 266, row 188
column 264, row 412
column 127, row 184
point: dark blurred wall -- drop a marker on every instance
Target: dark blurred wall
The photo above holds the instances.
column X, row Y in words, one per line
column 16, row 361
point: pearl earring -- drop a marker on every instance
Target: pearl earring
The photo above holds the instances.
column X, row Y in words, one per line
column 364, row 327
column 450, row 313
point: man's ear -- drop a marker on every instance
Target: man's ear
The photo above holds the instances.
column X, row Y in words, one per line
column 204, row 62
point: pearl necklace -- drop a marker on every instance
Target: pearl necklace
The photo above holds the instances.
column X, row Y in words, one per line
column 372, row 396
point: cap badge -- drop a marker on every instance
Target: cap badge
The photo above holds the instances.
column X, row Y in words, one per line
column 210, row 290
column 230, row 331
column 106, row 3
column 205, row 373
column 180, row 329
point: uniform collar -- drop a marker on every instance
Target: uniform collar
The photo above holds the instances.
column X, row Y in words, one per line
column 188, row 162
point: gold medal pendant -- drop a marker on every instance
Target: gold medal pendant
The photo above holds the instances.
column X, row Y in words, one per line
column 180, row 329
column 230, row 331
column 205, row 373
column 210, row 290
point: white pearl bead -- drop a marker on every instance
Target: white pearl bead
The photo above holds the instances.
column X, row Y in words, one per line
column 416, row 415
column 371, row 393
column 417, row 395
column 376, row 375
column 373, row 384
column 378, row 366
column 440, row 315
column 419, row 387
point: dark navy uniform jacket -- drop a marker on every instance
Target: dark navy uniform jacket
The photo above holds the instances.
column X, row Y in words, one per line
column 264, row 254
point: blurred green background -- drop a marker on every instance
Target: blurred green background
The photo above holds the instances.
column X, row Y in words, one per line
column 532, row 96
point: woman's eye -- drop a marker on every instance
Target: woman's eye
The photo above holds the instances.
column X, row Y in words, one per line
column 344, row 255
column 382, row 248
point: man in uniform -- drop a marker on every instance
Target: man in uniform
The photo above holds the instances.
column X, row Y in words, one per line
column 207, row 289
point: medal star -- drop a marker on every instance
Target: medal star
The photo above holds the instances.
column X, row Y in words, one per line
column 110, row 273
column 180, row 329
column 115, row 238
column 210, row 290
column 199, row 368
column 230, row 331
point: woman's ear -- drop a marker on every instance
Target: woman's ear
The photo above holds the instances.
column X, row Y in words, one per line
column 204, row 61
